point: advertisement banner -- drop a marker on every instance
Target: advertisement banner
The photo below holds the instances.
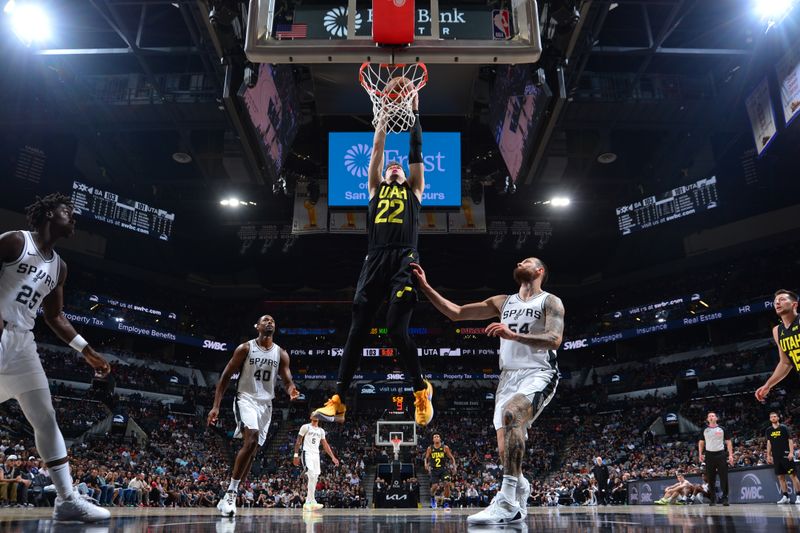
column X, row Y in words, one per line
column 348, row 164
column 756, row 306
column 747, row 485
column 762, row 117
column 788, row 70
column 326, row 22
column 348, row 222
column 104, row 300
column 142, row 331
column 471, row 218
column 400, row 376
column 310, row 216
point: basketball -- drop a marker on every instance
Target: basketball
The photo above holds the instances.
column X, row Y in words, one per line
column 399, row 87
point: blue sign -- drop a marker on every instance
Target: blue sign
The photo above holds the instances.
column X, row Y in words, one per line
column 348, row 164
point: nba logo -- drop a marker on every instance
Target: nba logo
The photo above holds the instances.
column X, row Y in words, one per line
column 501, row 28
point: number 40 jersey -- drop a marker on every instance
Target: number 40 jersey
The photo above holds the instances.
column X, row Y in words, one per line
column 259, row 371
column 525, row 317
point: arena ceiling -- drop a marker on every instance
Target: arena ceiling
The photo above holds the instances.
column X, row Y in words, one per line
column 658, row 83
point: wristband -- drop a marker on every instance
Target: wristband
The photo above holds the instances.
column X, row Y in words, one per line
column 78, row 343
column 297, row 455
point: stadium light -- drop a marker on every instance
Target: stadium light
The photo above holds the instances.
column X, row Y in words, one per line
column 774, row 10
column 560, row 201
column 29, row 21
column 234, row 202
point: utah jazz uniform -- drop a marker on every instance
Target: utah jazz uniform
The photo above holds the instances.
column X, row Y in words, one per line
column 393, row 228
column 789, row 341
column 438, row 470
column 24, row 284
column 524, row 369
column 255, row 390
column 778, row 438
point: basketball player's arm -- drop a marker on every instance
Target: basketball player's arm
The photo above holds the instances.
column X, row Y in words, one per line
column 416, row 168
column 11, row 245
column 769, row 450
column 781, row 370
column 328, row 450
column 553, row 328
column 489, row 308
column 376, row 161
column 297, row 444
column 233, row 366
column 427, row 459
column 53, row 306
column 450, row 456
column 286, row 376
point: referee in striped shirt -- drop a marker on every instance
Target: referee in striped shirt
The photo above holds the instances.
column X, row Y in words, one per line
column 713, row 441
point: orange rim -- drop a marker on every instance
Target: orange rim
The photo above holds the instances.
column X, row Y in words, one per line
column 366, row 64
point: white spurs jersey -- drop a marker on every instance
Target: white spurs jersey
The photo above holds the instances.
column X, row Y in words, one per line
column 25, row 282
column 525, row 317
column 312, row 437
column 259, row 371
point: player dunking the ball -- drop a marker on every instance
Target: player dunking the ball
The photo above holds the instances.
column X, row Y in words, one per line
column 393, row 226
column 311, row 436
column 32, row 275
column 258, row 361
column 530, row 329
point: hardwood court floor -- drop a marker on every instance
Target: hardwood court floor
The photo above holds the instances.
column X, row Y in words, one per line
column 694, row 519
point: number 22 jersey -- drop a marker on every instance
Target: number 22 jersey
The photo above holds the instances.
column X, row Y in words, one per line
column 393, row 218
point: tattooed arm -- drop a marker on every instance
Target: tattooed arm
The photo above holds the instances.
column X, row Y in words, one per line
column 553, row 328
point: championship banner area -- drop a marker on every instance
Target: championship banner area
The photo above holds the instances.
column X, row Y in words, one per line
column 471, row 218
column 348, row 222
column 746, row 485
column 788, row 71
column 762, row 118
column 432, row 222
column 309, row 216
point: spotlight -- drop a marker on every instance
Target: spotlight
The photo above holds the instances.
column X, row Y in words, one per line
column 231, row 202
column 560, row 201
column 774, row 10
column 29, row 22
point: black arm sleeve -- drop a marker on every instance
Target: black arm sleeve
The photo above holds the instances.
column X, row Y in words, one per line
column 415, row 142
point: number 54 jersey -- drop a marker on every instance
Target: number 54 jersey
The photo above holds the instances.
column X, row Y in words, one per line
column 259, row 372
column 528, row 317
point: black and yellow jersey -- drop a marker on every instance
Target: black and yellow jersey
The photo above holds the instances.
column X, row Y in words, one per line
column 393, row 218
column 789, row 341
column 437, row 457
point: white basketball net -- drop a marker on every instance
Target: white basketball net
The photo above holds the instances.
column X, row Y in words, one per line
column 392, row 89
column 396, row 447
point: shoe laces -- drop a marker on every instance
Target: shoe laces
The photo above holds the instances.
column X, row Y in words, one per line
column 230, row 498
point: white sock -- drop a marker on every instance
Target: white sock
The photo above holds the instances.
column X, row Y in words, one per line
column 522, row 484
column 234, row 485
column 312, row 485
column 509, row 487
column 62, row 480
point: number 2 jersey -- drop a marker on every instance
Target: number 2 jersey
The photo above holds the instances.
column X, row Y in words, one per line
column 789, row 341
column 393, row 217
column 525, row 317
column 259, row 371
column 25, row 282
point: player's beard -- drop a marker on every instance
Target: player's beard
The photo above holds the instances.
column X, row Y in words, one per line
column 523, row 275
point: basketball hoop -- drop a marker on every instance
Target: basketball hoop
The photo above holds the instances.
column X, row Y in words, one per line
column 392, row 89
column 396, row 448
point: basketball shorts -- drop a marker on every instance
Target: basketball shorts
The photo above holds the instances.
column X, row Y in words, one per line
column 310, row 462
column 386, row 273
column 439, row 475
column 784, row 466
column 537, row 385
column 20, row 368
column 252, row 413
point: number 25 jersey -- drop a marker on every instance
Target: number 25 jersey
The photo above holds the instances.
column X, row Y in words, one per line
column 525, row 317
column 259, row 371
column 393, row 218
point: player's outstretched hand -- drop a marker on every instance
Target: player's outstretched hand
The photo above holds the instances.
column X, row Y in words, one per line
column 419, row 273
column 761, row 393
column 296, row 461
column 293, row 392
column 336, row 462
column 96, row 361
column 213, row 414
column 496, row 329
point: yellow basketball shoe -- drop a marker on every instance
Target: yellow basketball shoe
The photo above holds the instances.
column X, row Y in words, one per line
column 333, row 410
column 423, row 407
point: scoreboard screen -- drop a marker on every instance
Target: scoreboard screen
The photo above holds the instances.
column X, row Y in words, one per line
column 103, row 206
column 678, row 203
